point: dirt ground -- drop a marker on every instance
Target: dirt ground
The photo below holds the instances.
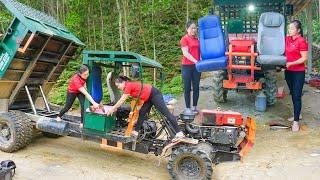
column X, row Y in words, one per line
column 277, row 154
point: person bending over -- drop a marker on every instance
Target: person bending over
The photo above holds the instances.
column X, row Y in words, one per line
column 150, row 96
column 77, row 89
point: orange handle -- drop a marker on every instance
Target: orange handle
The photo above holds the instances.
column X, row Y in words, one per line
column 22, row 50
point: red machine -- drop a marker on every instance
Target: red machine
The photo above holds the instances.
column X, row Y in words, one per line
column 220, row 118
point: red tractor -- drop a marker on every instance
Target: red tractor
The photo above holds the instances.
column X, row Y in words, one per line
column 244, row 55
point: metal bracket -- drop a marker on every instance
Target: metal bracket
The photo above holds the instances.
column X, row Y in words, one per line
column 31, row 101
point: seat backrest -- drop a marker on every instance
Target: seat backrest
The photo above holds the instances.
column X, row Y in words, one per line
column 96, row 89
column 271, row 38
column 212, row 44
column 114, row 93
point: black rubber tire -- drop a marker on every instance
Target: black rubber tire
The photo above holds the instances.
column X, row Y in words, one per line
column 182, row 155
column 270, row 89
column 219, row 93
column 50, row 135
column 19, row 131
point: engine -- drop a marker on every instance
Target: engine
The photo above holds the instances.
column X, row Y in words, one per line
column 149, row 129
column 217, row 127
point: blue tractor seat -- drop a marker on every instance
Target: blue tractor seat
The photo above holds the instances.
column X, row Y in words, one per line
column 212, row 44
column 96, row 89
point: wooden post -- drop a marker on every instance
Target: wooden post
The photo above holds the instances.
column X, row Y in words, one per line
column 4, row 105
column 309, row 35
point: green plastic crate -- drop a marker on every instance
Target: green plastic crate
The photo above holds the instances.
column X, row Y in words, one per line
column 99, row 122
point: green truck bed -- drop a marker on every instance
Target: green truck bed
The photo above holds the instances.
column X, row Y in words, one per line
column 34, row 52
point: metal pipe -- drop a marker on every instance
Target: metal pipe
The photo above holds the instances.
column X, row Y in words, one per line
column 45, row 100
column 30, row 100
column 190, row 129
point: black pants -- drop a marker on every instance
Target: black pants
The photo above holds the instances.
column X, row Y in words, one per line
column 190, row 75
column 295, row 81
column 69, row 102
column 156, row 99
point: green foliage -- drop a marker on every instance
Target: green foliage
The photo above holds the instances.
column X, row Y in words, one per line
column 161, row 23
column 5, row 19
column 174, row 86
column 316, row 31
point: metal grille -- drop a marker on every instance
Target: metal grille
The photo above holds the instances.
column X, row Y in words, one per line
column 250, row 19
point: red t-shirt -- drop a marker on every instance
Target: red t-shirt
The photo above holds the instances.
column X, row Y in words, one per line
column 293, row 49
column 194, row 48
column 133, row 88
column 76, row 82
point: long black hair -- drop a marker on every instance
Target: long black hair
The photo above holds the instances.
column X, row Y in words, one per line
column 83, row 68
column 298, row 25
column 121, row 79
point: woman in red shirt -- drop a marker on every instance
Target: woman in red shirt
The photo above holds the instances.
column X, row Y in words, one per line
column 297, row 54
column 191, row 54
column 77, row 89
column 150, row 96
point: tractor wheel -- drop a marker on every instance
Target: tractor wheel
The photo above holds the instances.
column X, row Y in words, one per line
column 219, row 93
column 16, row 131
column 270, row 89
column 187, row 163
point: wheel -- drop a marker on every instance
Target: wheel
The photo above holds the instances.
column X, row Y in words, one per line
column 16, row 131
column 270, row 88
column 219, row 93
column 188, row 163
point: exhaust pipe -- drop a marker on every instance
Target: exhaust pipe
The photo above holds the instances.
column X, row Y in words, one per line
column 190, row 129
column 188, row 116
column 53, row 126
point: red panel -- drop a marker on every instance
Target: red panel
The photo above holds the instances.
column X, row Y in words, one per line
column 242, row 79
column 241, row 45
column 229, row 84
column 221, row 117
column 254, row 85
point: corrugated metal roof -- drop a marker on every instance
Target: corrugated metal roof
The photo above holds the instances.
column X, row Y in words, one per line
column 120, row 56
column 36, row 20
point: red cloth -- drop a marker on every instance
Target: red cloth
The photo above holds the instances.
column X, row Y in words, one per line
column 133, row 88
column 293, row 49
column 194, row 48
column 76, row 82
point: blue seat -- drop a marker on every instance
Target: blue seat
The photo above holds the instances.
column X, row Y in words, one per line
column 212, row 44
column 96, row 89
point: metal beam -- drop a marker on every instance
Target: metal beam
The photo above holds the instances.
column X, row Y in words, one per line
column 300, row 6
column 27, row 73
column 31, row 101
column 55, row 67
column 309, row 35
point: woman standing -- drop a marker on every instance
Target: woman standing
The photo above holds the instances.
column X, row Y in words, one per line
column 191, row 54
column 150, row 96
column 77, row 89
column 297, row 54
